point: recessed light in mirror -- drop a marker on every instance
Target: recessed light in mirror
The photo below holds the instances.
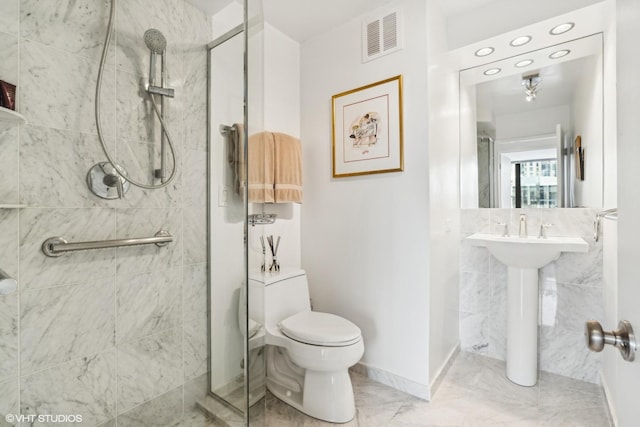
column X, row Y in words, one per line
column 520, row 41
column 484, row 51
column 562, row 28
column 492, row 71
column 524, row 63
column 559, row 54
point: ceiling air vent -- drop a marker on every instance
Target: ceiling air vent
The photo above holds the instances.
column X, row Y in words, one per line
column 381, row 34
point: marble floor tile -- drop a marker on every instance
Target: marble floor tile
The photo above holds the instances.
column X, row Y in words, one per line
column 474, row 393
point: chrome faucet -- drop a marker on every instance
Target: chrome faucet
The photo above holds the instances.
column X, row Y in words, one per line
column 543, row 231
column 523, row 226
column 505, row 228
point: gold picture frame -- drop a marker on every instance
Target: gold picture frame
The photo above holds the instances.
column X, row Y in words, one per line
column 367, row 129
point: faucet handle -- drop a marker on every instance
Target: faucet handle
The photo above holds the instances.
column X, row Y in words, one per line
column 543, row 230
column 505, row 230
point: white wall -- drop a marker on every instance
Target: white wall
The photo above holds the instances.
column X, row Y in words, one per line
column 366, row 238
column 587, row 112
column 444, row 212
column 489, row 19
column 542, row 121
column 628, row 292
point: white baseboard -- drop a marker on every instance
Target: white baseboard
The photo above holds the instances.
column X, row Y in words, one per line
column 442, row 372
column 610, row 406
column 394, row 381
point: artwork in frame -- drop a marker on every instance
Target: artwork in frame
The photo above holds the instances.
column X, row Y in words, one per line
column 367, row 129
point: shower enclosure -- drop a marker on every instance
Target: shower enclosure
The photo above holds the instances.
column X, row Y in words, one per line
column 235, row 55
column 111, row 335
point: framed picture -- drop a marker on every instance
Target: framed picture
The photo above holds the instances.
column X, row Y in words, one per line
column 367, row 129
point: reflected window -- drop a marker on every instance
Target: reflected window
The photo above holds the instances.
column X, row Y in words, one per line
column 534, row 184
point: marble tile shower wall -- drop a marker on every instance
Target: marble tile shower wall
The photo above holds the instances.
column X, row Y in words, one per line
column 107, row 333
column 571, row 291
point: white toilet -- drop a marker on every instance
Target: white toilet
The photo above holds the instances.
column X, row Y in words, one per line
column 308, row 353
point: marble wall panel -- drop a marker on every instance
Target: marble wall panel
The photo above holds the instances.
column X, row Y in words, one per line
column 54, row 165
column 10, row 17
column 164, row 410
column 58, row 89
column 195, row 181
column 195, row 226
column 9, row 46
column 564, row 353
column 77, row 27
column 581, row 269
column 85, row 387
column 474, row 332
column 195, row 104
column 9, row 399
column 63, row 323
column 149, row 303
column 9, row 243
column 9, row 338
column 9, row 148
column 196, row 348
column 195, row 291
column 148, row 368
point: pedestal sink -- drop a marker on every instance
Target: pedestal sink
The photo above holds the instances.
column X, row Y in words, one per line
column 523, row 257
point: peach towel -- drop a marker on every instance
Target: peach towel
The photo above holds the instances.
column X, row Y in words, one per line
column 288, row 168
column 261, row 168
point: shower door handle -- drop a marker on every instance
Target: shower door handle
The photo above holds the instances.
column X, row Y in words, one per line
column 622, row 338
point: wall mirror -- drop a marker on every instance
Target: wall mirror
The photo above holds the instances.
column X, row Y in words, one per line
column 532, row 129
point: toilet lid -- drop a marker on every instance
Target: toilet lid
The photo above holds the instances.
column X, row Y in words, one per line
column 312, row 327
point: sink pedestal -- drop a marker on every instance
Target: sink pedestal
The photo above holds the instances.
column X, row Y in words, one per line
column 524, row 256
column 522, row 325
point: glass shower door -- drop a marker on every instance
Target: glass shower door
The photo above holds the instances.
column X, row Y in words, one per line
column 235, row 111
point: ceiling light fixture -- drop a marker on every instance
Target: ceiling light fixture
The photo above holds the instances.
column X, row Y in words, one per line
column 520, row 41
column 561, row 29
column 531, row 83
column 559, row 54
column 492, row 71
column 524, row 63
column 484, row 51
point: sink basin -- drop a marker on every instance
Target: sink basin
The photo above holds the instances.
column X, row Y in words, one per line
column 523, row 257
column 527, row 252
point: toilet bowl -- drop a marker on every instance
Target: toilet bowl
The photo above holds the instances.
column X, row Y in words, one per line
column 308, row 353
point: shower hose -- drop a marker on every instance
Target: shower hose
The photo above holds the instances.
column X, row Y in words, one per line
column 121, row 171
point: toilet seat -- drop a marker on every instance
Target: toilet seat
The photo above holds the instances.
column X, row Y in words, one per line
column 322, row 329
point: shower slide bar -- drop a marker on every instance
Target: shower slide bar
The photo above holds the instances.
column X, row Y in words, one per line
column 57, row 246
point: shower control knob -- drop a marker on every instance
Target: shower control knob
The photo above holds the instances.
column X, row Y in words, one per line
column 622, row 338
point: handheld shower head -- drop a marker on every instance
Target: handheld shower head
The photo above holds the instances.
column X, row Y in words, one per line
column 157, row 44
column 155, row 41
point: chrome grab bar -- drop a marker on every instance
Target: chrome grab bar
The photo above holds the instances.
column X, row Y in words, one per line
column 57, row 246
column 609, row 214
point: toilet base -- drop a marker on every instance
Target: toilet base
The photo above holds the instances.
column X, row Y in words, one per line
column 326, row 395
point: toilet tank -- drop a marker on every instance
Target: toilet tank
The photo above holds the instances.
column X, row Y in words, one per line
column 284, row 294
